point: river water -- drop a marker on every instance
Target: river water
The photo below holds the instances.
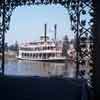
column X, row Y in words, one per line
column 36, row 68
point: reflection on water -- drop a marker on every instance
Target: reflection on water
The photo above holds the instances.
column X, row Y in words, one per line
column 35, row 68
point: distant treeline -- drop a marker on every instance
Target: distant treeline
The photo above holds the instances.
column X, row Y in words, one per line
column 13, row 47
column 6, row 47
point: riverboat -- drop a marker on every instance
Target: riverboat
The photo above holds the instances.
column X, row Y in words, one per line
column 42, row 50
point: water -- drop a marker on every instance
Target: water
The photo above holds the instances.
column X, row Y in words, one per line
column 36, row 68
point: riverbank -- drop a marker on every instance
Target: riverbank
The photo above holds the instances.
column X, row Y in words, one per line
column 9, row 54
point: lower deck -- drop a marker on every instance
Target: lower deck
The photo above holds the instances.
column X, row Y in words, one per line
column 40, row 56
column 45, row 60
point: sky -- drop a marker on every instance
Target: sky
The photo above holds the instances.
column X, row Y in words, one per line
column 27, row 23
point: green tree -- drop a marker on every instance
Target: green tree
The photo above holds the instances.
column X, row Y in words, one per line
column 65, row 46
column 74, row 42
column 14, row 47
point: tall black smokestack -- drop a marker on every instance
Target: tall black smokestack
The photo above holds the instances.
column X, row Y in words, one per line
column 55, row 28
column 45, row 32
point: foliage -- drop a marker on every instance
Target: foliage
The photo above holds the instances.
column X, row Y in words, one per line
column 6, row 47
column 73, row 41
column 65, row 46
column 13, row 47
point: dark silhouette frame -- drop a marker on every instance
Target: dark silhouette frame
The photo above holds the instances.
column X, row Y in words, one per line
column 76, row 9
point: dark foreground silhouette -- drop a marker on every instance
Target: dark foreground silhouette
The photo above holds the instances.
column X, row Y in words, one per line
column 42, row 88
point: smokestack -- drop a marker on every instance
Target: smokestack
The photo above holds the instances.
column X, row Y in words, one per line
column 55, row 30
column 45, row 32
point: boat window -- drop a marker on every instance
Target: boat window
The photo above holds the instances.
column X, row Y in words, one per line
column 48, row 48
column 52, row 48
column 22, row 54
column 25, row 54
column 33, row 55
column 40, row 55
column 30, row 54
column 35, row 49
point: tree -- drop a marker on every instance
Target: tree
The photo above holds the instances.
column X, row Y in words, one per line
column 6, row 46
column 65, row 46
column 74, row 42
column 14, row 47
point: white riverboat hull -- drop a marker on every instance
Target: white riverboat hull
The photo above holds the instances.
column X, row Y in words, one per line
column 51, row 59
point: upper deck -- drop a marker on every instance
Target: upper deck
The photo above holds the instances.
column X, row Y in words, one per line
column 49, row 45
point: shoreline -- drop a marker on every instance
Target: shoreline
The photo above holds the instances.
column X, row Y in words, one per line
column 9, row 54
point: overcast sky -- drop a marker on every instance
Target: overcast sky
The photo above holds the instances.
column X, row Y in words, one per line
column 27, row 23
